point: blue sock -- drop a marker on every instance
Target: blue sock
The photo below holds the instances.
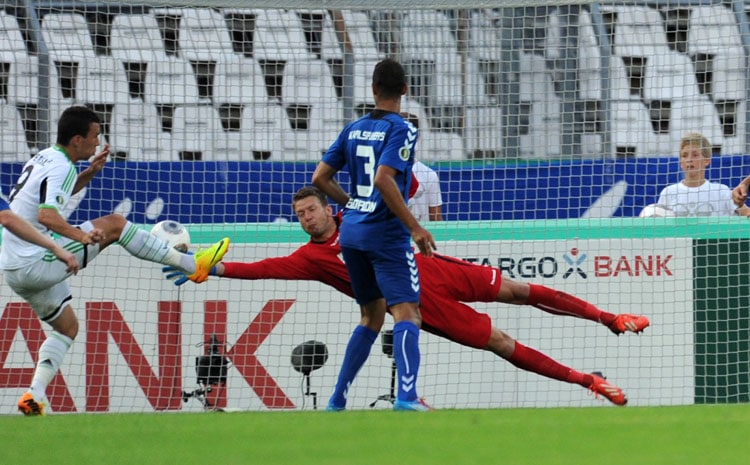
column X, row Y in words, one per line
column 406, row 356
column 357, row 351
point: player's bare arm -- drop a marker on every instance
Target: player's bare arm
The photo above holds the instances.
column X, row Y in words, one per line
column 739, row 194
column 323, row 179
column 386, row 185
column 97, row 163
column 27, row 232
column 52, row 220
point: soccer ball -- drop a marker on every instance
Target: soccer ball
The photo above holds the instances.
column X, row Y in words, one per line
column 656, row 211
column 173, row 233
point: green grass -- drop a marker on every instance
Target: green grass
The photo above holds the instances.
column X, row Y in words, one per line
column 690, row 435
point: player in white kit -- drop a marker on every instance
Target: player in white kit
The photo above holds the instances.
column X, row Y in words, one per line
column 43, row 189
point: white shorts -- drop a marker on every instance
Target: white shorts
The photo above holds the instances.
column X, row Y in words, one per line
column 44, row 284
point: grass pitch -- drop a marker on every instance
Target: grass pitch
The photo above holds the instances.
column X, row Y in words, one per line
column 689, row 435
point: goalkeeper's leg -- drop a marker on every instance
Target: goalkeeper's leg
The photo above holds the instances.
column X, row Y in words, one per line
column 562, row 303
column 534, row 361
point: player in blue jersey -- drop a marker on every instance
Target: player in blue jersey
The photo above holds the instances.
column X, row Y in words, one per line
column 378, row 151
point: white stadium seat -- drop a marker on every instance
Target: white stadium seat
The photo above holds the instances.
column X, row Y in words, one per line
column 204, row 36
column 668, row 76
column 697, row 114
column 136, row 129
column 14, row 147
column 101, row 79
column 631, row 127
column 194, row 129
column 11, row 39
column 363, row 42
column 639, row 31
column 268, row 124
column 67, row 37
column 307, row 82
column 172, row 82
column 713, row 29
column 439, row 146
column 483, row 130
column 239, row 82
column 324, row 124
column 136, row 38
column 728, row 77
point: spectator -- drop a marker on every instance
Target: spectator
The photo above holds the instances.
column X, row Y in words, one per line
column 695, row 195
column 427, row 202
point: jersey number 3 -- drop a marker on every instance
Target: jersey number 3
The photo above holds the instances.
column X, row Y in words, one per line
column 368, row 167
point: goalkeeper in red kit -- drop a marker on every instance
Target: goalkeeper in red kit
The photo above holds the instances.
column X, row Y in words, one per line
column 446, row 283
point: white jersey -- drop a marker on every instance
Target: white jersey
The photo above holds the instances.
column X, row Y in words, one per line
column 708, row 199
column 47, row 181
column 428, row 193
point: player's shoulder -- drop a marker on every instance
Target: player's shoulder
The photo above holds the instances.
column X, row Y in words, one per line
column 51, row 158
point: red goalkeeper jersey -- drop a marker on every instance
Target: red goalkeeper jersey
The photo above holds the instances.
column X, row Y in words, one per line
column 446, row 283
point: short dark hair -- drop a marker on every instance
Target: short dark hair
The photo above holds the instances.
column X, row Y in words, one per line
column 411, row 117
column 75, row 121
column 309, row 191
column 389, row 78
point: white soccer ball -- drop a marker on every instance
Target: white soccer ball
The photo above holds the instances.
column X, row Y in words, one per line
column 656, row 211
column 173, row 233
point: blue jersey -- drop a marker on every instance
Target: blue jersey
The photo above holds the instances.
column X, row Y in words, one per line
column 3, row 204
column 378, row 138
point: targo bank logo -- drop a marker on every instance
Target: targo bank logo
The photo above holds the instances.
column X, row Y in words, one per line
column 577, row 264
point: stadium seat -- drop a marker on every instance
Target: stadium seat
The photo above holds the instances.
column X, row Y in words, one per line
column 171, row 81
column 534, row 79
column 639, row 31
column 204, row 36
column 268, row 125
column 697, row 114
column 102, row 80
column 734, row 143
column 668, row 76
column 440, row 146
column 23, row 80
column 590, row 82
column 713, row 29
column 483, row 34
column 135, row 129
column 239, row 82
column 194, row 129
column 589, row 54
column 363, row 42
column 279, row 36
column 56, row 107
column 425, row 34
column 728, row 82
column 362, row 78
column 325, row 122
column 67, row 37
column 631, row 128
column 483, row 131
column 307, row 82
column 14, row 147
column 136, row 38
column 544, row 129
column 11, row 39
column 320, row 34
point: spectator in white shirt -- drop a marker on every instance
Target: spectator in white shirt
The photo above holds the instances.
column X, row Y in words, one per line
column 695, row 195
column 427, row 202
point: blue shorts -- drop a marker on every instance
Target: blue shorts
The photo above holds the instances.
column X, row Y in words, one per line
column 391, row 273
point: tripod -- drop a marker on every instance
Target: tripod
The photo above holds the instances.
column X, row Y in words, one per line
column 386, row 339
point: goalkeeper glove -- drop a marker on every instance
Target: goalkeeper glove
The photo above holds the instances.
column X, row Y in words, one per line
column 179, row 277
